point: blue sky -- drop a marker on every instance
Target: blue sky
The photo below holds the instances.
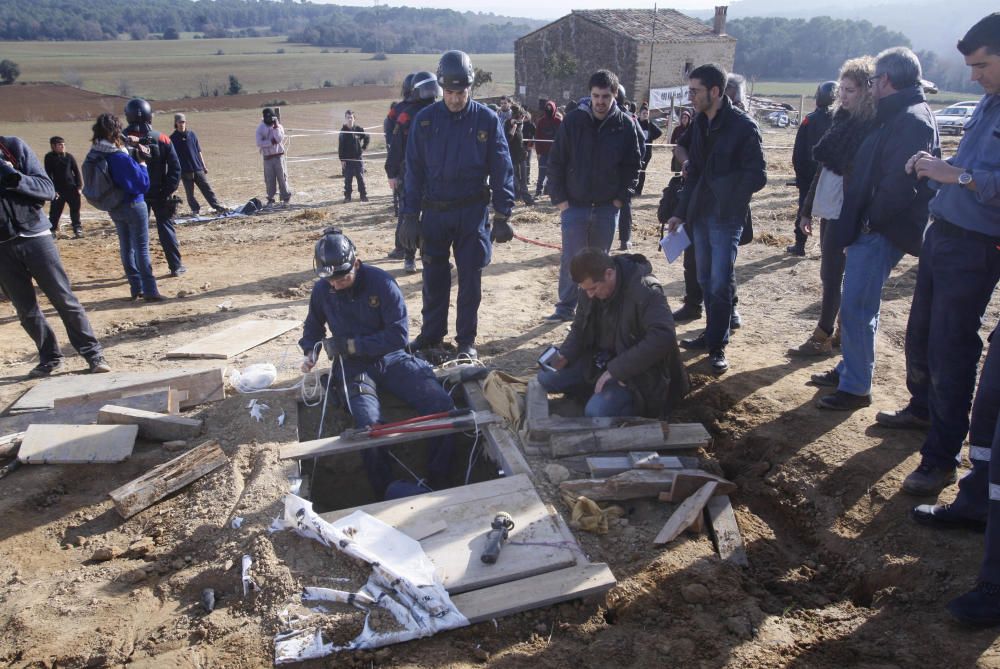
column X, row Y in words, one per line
column 548, row 9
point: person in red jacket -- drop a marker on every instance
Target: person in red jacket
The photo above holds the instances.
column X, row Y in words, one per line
column 545, row 133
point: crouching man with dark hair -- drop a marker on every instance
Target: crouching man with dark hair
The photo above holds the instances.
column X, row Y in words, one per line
column 621, row 353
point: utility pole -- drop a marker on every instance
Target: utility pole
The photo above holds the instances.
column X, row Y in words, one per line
column 379, row 47
column 652, row 45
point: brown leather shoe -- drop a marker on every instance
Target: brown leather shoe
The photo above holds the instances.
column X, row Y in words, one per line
column 819, row 343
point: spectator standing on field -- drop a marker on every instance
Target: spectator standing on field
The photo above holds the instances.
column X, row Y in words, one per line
column 545, row 133
column 271, row 144
column 193, row 169
column 353, row 142
column 65, row 174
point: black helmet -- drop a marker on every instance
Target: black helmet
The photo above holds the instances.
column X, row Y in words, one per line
column 455, row 71
column 407, row 87
column 622, row 96
column 335, row 254
column 825, row 93
column 425, row 87
column 138, row 111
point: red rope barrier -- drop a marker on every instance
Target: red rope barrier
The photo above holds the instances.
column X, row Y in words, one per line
column 537, row 243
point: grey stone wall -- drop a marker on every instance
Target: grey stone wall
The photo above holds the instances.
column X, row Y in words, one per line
column 670, row 60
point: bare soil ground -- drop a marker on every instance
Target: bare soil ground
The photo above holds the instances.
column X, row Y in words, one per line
column 839, row 575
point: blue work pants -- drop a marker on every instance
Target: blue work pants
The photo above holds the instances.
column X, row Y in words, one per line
column 870, row 259
column 613, row 400
column 166, row 232
column 582, row 227
column 716, row 242
column 466, row 231
column 131, row 221
column 411, row 380
column 990, row 570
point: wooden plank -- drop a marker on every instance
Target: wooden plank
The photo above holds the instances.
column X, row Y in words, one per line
column 85, row 413
column 686, row 435
column 234, row 339
column 167, row 478
column 468, row 512
column 535, row 592
column 543, row 429
column 152, row 425
column 536, row 403
column 77, row 444
column 337, row 445
column 608, row 440
column 10, row 443
column 156, row 399
column 685, row 514
column 725, row 532
column 202, row 385
column 688, row 481
column 421, row 528
column 502, row 445
column 632, row 484
column 604, row 466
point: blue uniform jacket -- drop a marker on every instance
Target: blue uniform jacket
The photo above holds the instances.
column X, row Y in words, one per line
column 372, row 312
column 449, row 157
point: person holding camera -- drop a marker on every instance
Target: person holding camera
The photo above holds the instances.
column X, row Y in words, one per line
column 621, row 354
column 271, row 143
column 513, row 128
column 164, row 177
column 193, row 168
column 28, row 253
column 365, row 312
column 351, row 148
column 65, row 174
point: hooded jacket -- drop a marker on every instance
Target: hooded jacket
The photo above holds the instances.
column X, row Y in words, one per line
column 546, row 128
column 23, row 194
column 645, row 356
column 879, row 196
column 593, row 161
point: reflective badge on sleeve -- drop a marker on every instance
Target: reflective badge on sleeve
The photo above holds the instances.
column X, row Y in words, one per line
column 482, row 135
column 373, row 301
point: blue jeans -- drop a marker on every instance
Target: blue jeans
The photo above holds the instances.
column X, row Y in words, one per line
column 166, row 231
column 715, row 244
column 132, row 223
column 25, row 258
column 613, row 400
column 411, row 380
column 870, row 259
column 582, row 227
column 955, row 280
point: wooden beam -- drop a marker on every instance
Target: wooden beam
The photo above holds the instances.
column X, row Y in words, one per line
column 503, row 445
column 337, row 445
column 688, row 481
column 632, row 484
column 85, row 413
column 152, row 425
column 604, row 466
column 76, row 444
column 607, row 440
column 725, row 531
column 685, row 514
column 536, row 401
column 235, row 339
column 543, row 429
column 534, row 592
column 167, row 478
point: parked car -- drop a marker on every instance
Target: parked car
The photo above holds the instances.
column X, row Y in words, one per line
column 967, row 103
column 951, row 121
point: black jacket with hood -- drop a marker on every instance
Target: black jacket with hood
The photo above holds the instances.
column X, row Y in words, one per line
column 23, row 191
column 645, row 357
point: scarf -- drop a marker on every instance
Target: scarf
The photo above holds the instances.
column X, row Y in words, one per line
column 836, row 148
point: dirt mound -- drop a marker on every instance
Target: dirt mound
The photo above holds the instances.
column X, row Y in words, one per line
column 52, row 102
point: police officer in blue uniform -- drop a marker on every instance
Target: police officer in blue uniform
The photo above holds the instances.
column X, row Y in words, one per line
column 364, row 310
column 424, row 90
column 455, row 147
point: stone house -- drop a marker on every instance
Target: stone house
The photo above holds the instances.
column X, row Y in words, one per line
column 556, row 61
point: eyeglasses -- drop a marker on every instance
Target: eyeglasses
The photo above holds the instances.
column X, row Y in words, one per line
column 875, row 77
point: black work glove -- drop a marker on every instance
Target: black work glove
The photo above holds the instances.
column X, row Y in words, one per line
column 335, row 346
column 9, row 177
column 502, row 231
column 409, row 232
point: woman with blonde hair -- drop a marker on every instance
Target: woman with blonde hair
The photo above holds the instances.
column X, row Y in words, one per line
column 131, row 218
column 853, row 118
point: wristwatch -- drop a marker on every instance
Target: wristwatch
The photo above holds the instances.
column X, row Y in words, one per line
column 965, row 178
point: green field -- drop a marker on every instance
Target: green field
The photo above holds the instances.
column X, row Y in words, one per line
column 176, row 68
column 793, row 89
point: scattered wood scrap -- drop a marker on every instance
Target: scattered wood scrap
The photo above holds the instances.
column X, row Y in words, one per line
column 201, row 385
column 234, row 339
column 76, row 444
column 85, row 413
column 636, row 483
column 152, row 425
column 604, row 466
column 608, row 440
column 167, row 478
column 336, row 445
column 685, row 514
column 10, row 443
column 688, row 481
column 725, row 532
column 536, row 403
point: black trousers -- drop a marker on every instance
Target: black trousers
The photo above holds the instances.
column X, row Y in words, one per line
column 354, row 169
column 25, row 258
column 71, row 198
column 190, row 179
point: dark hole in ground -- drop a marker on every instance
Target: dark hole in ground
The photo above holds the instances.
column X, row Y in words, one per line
column 340, row 482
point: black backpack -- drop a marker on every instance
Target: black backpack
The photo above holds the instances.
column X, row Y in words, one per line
column 98, row 187
column 252, row 206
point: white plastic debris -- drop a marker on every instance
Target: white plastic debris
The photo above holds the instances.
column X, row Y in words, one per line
column 225, row 306
column 257, row 376
column 237, row 522
column 257, row 411
column 248, row 582
column 281, row 419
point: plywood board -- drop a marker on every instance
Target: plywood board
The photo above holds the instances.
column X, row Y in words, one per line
column 468, row 512
column 84, row 413
column 152, row 425
column 167, row 478
column 76, row 444
column 202, row 385
column 234, row 339
column 609, row 465
column 537, row 591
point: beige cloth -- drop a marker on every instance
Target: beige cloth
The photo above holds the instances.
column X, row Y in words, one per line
column 588, row 516
column 505, row 393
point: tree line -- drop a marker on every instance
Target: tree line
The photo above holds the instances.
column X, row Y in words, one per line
column 392, row 29
column 797, row 49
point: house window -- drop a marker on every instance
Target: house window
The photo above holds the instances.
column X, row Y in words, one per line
column 688, row 66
